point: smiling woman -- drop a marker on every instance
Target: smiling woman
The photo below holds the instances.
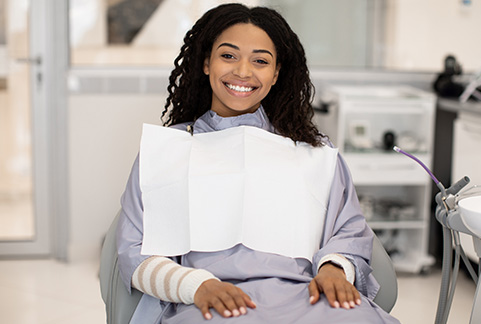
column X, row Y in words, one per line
column 242, row 68
column 191, row 93
column 252, row 216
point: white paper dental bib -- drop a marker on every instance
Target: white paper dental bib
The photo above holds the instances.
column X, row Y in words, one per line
column 211, row 191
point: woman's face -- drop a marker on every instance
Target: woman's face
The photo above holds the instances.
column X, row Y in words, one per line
column 242, row 68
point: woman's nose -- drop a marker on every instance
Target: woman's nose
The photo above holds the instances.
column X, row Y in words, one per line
column 242, row 69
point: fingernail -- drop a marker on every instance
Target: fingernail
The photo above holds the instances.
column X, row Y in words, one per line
column 208, row 316
column 336, row 304
column 235, row 312
column 352, row 304
column 227, row 313
column 311, row 299
column 358, row 301
column 346, row 305
column 243, row 310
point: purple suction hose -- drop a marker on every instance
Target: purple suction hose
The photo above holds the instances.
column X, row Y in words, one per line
column 397, row 149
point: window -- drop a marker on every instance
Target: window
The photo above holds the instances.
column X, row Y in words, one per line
column 382, row 34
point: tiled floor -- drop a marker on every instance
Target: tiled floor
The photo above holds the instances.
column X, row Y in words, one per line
column 418, row 298
column 50, row 292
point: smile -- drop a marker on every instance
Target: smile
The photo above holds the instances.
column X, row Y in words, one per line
column 239, row 88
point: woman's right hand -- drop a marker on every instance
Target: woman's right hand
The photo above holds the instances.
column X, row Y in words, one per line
column 227, row 299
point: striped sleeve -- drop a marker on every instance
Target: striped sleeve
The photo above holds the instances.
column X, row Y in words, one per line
column 164, row 279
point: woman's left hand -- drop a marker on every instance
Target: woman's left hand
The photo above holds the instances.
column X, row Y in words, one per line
column 331, row 281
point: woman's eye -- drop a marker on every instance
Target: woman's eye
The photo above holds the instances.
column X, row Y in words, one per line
column 227, row 56
column 260, row 61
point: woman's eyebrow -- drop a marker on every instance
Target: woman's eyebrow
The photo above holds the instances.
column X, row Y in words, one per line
column 253, row 51
column 262, row 51
column 229, row 45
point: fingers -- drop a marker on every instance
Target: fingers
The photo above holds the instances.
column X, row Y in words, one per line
column 233, row 302
column 244, row 301
column 338, row 291
column 205, row 311
column 332, row 295
column 222, row 306
column 227, row 299
column 248, row 301
column 345, row 297
column 342, row 295
column 348, row 296
column 357, row 297
column 313, row 292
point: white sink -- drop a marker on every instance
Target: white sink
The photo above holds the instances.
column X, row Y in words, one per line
column 470, row 209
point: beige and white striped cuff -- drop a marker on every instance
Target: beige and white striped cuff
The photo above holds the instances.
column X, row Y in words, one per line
column 163, row 278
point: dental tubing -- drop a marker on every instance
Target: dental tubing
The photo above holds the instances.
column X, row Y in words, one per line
column 449, row 275
column 436, row 181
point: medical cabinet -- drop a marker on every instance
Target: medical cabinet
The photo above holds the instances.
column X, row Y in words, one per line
column 365, row 122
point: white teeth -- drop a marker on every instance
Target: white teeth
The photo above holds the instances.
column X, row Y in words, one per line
column 239, row 88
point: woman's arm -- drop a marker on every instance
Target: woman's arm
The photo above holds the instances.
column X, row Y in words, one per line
column 346, row 232
column 130, row 228
column 168, row 281
column 144, row 272
column 160, row 276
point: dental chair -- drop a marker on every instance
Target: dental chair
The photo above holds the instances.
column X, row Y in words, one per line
column 120, row 305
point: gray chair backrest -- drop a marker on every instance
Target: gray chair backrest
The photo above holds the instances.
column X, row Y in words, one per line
column 120, row 305
column 383, row 271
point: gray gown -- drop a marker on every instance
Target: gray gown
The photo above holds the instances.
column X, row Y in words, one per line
column 277, row 284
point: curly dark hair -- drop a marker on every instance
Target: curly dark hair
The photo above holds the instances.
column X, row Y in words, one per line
column 288, row 104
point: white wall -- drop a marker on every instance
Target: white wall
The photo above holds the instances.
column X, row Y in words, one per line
column 104, row 137
column 421, row 33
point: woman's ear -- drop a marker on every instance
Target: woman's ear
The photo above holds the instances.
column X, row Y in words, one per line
column 206, row 66
column 276, row 74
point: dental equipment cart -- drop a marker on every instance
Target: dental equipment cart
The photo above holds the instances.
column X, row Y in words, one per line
column 458, row 212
